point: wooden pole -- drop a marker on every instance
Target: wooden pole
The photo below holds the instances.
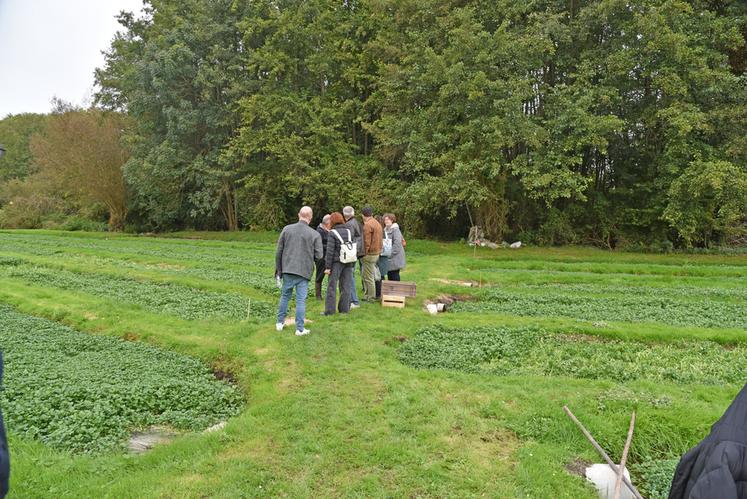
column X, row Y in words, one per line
column 601, row 452
column 624, row 458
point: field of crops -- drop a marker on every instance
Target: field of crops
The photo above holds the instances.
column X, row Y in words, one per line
column 107, row 335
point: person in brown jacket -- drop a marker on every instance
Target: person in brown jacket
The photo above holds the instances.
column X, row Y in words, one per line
column 372, row 243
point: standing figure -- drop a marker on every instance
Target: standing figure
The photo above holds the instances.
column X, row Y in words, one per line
column 299, row 247
column 323, row 230
column 372, row 240
column 351, row 223
column 397, row 258
column 386, row 252
column 338, row 271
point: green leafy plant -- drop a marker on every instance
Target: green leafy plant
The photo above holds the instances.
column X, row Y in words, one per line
column 86, row 393
column 638, row 305
column 163, row 298
column 530, row 351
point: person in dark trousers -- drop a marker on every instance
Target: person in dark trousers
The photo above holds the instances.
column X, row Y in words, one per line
column 716, row 468
column 351, row 223
column 383, row 262
column 397, row 259
column 323, row 230
column 4, row 454
column 372, row 240
column 338, row 272
column 299, row 247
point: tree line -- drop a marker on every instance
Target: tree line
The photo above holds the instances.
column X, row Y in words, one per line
column 607, row 122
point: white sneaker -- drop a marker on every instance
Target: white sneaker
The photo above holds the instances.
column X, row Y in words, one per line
column 302, row 333
column 279, row 326
column 354, row 305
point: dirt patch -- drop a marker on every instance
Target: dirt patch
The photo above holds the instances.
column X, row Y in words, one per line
column 582, row 338
column 448, row 300
column 224, row 375
column 90, row 316
column 577, row 467
column 131, row 337
column 169, row 266
column 395, row 340
column 466, row 284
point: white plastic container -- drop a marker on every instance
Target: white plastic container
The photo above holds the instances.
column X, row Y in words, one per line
column 604, row 479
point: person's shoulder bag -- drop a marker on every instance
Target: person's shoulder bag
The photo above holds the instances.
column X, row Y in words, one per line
column 386, row 247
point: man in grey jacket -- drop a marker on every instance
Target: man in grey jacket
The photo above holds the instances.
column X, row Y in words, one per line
column 299, row 248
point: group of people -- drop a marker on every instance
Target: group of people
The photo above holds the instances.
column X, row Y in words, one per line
column 334, row 249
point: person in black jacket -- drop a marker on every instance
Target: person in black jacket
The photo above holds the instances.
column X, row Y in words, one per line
column 4, row 454
column 323, row 230
column 717, row 467
column 337, row 271
column 352, row 223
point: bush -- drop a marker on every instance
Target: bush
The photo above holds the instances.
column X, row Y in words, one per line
column 557, row 229
column 84, row 224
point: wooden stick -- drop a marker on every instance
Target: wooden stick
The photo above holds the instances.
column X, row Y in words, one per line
column 624, row 458
column 601, row 452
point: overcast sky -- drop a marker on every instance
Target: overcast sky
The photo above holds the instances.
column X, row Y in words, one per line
column 50, row 48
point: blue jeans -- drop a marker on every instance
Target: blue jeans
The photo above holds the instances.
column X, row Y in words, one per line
column 291, row 281
column 353, row 292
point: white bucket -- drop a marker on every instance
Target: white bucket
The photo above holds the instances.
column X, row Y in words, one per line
column 432, row 308
column 604, row 479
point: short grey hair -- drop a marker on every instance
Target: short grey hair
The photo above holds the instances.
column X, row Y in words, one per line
column 348, row 212
column 326, row 219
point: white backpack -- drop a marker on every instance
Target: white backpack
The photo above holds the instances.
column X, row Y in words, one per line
column 348, row 250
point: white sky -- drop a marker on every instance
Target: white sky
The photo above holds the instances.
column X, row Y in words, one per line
column 50, row 48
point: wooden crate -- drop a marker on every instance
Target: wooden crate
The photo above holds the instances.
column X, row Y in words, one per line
column 392, row 301
column 398, row 288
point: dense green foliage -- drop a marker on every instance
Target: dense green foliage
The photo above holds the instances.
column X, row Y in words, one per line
column 606, row 122
column 533, row 352
column 79, row 392
column 605, row 304
column 64, row 170
column 171, row 299
column 612, row 123
column 15, row 134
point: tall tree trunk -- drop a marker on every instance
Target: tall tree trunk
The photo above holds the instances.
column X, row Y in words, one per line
column 117, row 217
column 229, row 207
